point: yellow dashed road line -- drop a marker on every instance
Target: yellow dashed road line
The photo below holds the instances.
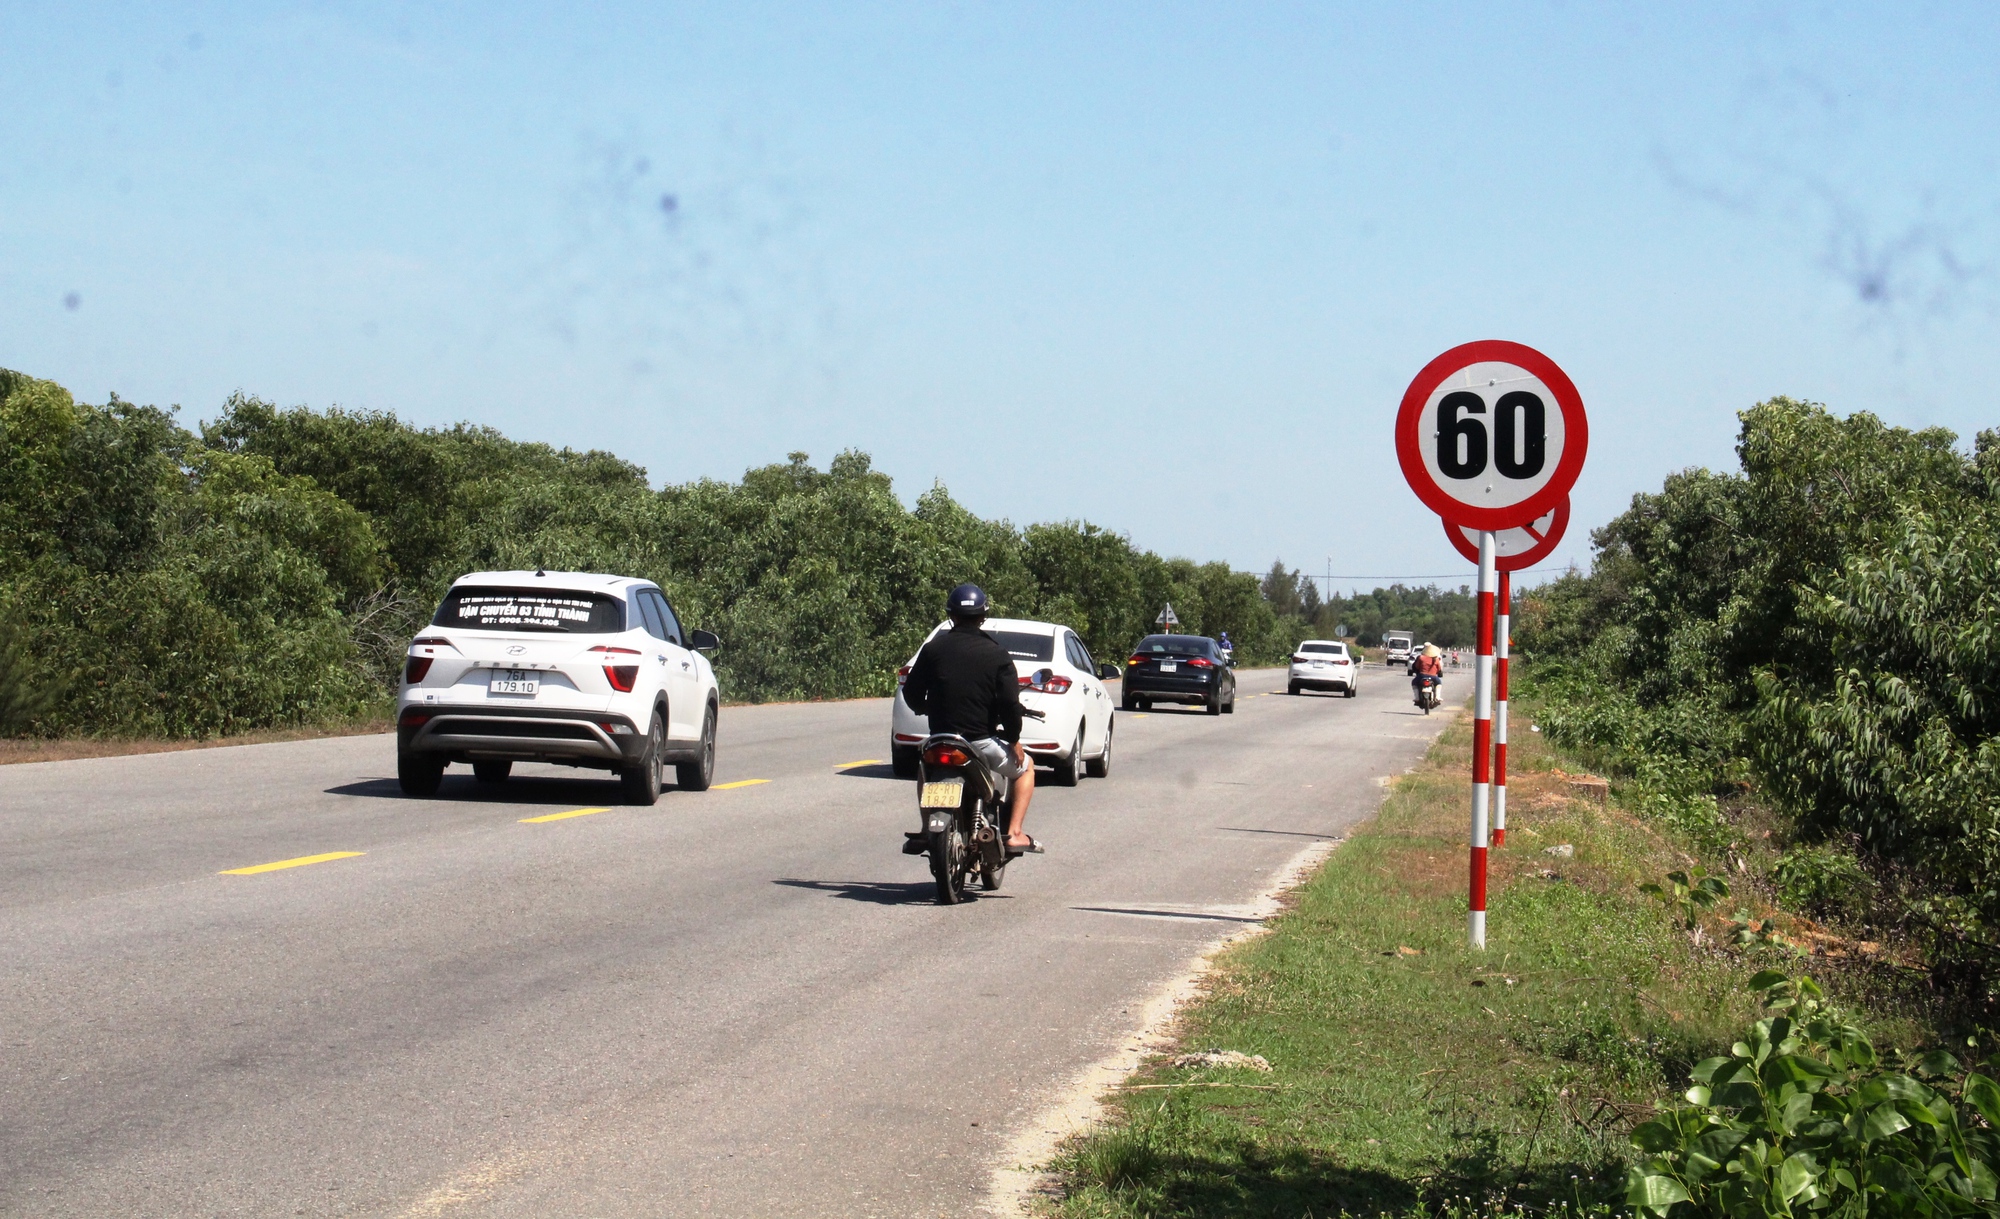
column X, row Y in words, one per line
column 723, row 787
column 862, row 762
column 300, row 862
column 575, row 812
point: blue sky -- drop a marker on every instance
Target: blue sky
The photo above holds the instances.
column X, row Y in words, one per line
column 1164, row 267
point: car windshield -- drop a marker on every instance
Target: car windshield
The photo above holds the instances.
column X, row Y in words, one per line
column 1026, row 645
column 522, row 609
column 1175, row 645
column 1337, row 649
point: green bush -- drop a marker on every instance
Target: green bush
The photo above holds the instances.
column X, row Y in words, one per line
column 1819, row 880
column 1802, row 1117
column 1827, row 623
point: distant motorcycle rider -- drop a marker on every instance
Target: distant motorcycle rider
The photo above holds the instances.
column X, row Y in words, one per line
column 966, row 683
column 1426, row 670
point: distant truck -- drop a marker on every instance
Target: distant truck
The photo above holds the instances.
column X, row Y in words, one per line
column 1398, row 647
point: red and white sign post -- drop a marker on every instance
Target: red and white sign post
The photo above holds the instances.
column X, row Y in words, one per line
column 1491, row 435
column 1500, row 710
column 1518, row 548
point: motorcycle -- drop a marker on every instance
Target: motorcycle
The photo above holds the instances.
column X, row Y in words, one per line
column 1427, row 695
column 964, row 806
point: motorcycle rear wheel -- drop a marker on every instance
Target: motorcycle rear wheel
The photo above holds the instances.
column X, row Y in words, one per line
column 948, row 866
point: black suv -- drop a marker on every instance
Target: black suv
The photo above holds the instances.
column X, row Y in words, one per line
column 1179, row 669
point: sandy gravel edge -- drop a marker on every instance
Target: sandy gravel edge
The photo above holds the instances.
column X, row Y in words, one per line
column 1023, row 1179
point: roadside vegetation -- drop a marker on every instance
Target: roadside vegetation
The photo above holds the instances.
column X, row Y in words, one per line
column 1409, row 1074
column 1798, row 666
column 1753, row 974
column 268, row 570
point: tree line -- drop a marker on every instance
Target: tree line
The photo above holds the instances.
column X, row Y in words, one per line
column 270, row 567
column 1821, row 630
column 1440, row 616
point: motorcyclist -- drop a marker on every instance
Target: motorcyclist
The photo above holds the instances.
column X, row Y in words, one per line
column 1228, row 648
column 966, row 683
column 1426, row 670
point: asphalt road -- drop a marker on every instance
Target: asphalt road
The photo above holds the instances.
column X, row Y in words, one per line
column 739, row 1002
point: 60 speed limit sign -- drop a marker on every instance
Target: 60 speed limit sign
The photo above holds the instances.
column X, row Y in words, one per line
column 1491, row 435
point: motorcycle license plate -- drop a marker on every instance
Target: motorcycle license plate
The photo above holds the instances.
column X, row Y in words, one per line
column 1168, row 667
column 512, row 681
column 945, row 793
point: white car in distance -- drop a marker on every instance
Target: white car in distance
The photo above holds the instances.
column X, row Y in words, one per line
column 1323, row 664
column 1058, row 678
column 554, row 666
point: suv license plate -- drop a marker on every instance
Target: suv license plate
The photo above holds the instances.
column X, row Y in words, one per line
column 512, row 681
column 1166, row 667
column 946, row 793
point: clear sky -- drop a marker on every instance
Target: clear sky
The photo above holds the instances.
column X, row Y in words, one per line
column 1164, row 267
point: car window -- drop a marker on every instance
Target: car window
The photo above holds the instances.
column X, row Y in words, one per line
column 1083, row 654
column 651, row 613
column 531, row 609
column 675, row 635
column 1177, row 645
column 1338, row 649
column 1022, row 645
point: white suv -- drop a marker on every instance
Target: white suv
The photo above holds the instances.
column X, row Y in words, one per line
column 553, row 666
column 1058, row 679
column 1323, row 664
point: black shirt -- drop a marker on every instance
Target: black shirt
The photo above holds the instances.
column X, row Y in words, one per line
column 966, row 683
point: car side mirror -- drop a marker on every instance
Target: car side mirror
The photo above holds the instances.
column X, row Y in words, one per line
column 1106, row 671
column 703, row 641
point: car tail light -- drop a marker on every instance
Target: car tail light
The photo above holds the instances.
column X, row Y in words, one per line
column 432, row 641
column 616, row 727
column 1200, row 662
column 1135, row 662
column 413, row 719
column 414, row 669
column 621, row 677
column 902, row 675
column 1045, row 682
column 1040, row 745
column 946, row 755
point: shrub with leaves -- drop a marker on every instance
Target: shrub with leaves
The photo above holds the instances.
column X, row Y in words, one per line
column 1689, row 895
column 1802, row 1117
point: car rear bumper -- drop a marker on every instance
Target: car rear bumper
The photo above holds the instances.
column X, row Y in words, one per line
column 1181, row 689
column 1323, row 683
column 524, row 734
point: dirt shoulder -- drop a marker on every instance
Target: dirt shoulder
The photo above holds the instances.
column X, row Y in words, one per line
column 72, row 748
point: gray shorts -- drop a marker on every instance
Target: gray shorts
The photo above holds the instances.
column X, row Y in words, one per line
column 999, row 758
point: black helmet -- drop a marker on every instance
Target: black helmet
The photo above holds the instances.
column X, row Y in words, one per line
column 966, row 601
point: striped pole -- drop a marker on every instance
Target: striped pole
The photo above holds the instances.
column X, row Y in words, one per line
column 1500, row 641
column 1482, row 739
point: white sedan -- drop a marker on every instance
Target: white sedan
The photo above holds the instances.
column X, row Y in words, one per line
column 1058, row 679
column 1323, row 664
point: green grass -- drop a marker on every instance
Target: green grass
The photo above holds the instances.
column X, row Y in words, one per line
column 1441, row 1079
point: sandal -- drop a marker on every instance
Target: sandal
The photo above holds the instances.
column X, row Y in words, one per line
column 1034, row 847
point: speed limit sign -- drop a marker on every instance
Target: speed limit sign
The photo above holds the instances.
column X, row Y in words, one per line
column 1519, row 548
column 1491, row 435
